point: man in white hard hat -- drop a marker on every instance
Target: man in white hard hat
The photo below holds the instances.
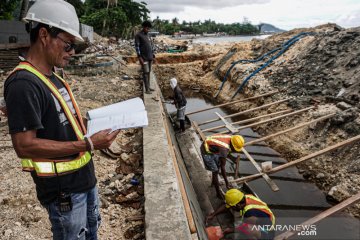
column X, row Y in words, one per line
column 46, row 126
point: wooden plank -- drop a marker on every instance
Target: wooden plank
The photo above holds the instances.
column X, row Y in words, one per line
column 198, row 130
column 290, row 129
column 273, row 119
column 271, row 183
column 348, row 202
column 276, row 118
column 227, row 124
column 307, row 157
column 237, row 167
column 248, row 120
column 180, row 181
column 237, row 101
column 246, row 111
column 265, row 176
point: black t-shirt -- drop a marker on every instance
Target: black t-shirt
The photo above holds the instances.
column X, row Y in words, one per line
column 32, row 106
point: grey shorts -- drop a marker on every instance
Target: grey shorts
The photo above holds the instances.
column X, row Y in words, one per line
column 181, row 113
column 211, row 161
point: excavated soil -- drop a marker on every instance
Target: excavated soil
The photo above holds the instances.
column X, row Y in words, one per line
column 319, row 70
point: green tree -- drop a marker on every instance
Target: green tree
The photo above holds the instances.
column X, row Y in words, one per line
column 7, row 8
column 114, row 17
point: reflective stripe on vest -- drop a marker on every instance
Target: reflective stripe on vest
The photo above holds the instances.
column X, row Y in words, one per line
column 253, row 202
column 46, row 167
column 217, row 140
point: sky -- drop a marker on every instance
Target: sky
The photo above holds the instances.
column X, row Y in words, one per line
column 284, row 14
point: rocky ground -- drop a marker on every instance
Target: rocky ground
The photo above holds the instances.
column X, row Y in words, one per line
column 119, row 175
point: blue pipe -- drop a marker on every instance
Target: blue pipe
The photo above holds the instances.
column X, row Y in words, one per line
column 286, row 46
column 283, row 48
column 243, row 61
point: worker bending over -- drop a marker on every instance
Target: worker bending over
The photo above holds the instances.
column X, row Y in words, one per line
column 215, row 150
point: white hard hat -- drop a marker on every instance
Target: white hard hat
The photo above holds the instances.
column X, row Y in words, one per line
column 55, row 13
column 173, row 83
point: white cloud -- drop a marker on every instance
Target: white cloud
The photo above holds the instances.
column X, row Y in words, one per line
column 163, row 6
column 349, row 20
column 286, row 14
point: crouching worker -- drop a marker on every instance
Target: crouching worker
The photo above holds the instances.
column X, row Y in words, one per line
column 180, row 103
column 257, row 220
column 215, row 150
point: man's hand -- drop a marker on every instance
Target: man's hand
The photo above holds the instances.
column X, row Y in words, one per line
column 104, row 138
column 141, row 60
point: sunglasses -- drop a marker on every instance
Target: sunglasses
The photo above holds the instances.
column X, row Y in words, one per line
column 68, row 46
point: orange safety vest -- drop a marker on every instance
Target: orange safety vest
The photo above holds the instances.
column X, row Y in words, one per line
column 217, row 140
column 51, row 167
column 253, row 202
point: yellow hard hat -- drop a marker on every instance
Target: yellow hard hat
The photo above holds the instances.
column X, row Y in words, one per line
column 238, row 142
column 233, row 197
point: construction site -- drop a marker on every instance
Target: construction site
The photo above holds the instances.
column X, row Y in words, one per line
column 294, row 97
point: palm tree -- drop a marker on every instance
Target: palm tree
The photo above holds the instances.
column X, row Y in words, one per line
column 175, row 21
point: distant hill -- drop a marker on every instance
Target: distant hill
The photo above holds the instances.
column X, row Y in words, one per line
column 268, row 28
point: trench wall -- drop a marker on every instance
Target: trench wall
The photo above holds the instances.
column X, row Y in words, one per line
column 165, row 216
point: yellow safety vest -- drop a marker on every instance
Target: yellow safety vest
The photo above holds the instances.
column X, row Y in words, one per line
column 218, row 140
column 253, row 202
column 51, row 167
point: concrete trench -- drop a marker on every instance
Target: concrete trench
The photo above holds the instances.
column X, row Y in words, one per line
column 165, row 215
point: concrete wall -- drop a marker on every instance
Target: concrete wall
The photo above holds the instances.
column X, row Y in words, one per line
column 165, row 216
column 87, row 32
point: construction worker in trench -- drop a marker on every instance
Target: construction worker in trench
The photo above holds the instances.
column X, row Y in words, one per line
column 46, row 126
column 257, row 220
column 215, row 150
column 180, row 103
